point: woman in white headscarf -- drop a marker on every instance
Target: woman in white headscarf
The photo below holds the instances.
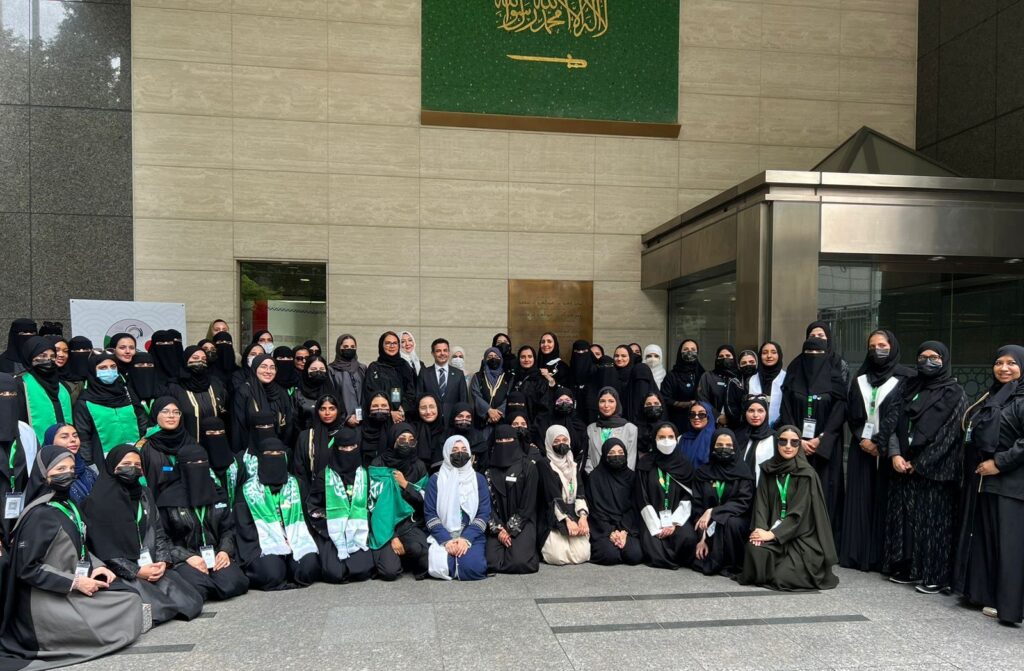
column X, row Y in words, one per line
column 457, row 507
column 568, row 531
column 408, row 351
column 653, row 358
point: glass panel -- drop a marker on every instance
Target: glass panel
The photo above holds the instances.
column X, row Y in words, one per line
column 704, row 311
column 288, row 299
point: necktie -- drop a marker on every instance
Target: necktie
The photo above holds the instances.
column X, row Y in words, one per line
column 442, row 381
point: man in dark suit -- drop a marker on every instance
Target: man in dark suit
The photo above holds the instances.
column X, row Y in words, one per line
column 446, row 383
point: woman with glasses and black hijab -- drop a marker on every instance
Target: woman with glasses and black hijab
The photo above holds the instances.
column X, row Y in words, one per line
column 392, row 376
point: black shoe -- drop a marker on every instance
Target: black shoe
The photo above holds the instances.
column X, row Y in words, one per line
column 903, row 580
column 929, row 589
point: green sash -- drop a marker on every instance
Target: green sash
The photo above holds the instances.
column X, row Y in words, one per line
column 41, row 415
column 387, row 504
column 232, row 483
column 279, row 520
column 114, row 426
column 347, row 516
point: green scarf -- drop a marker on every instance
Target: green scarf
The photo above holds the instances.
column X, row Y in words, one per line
column 387, row 504
column 347, row 515
column 279, row 520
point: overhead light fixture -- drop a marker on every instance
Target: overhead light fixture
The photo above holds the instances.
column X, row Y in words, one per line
column 937, row 258
column 303, row 279
column 707, row 300
column 1013, row 260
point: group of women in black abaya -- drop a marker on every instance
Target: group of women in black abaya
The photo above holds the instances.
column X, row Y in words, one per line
column 179, row 475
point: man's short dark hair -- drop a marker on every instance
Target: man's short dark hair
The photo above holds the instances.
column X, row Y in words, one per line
column 439, row 341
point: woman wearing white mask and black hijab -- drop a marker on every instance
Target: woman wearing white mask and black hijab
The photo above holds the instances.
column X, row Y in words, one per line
column 614, row 522
column 872, row 413
column 512, row 531
column 927, row 458
column 814, row 399
column 664, row 497
column 126, row 534
column 991, row 552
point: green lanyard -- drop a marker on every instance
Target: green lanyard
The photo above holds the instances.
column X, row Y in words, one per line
column 783, row 493
column 138, row 526
column 874, row 397
column 666, row 483
column 201, row 516
column 14, row 451
column 75, row 517
column 810, row 406
column 148, row 406
column 719, row 489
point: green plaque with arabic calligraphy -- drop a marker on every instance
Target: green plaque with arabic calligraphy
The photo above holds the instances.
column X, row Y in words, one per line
column 612, row 63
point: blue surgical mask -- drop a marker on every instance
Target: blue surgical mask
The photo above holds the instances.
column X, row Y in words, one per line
column 107, row 376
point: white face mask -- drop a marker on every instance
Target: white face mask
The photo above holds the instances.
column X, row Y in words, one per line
column 457, row 362
column 249, row 360
column 268, row 347
column 666, row 445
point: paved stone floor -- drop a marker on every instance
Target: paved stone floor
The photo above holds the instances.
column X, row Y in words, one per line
column 582, row 617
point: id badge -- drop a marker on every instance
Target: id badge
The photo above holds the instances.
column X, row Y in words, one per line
column 868, row 432
column 665, row 517
column 711, row 529
column 145, row 559
column 82, row 569
column 810, row 426
column 359, row 414
column 396, row 396
column 777, row 523
column 14, row 503
column 208, row 555
column 967, row 436
column 511, row 478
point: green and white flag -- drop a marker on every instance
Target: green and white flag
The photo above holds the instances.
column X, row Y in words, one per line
column 279, row 520
column 347, row 518
column 387, row 505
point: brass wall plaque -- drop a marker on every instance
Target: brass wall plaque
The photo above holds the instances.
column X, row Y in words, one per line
column 562, row 307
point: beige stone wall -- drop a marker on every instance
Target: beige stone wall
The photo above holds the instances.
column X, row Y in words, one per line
column 288, row 129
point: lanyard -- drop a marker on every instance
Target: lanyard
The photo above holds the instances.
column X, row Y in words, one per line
column 874, row 397
column 666, row 483
column 201, row 516
column 910, row 425
column 75, row 517
column 810, row 406
column 719, row 489
column 138, row 520
column 783, row 493
column 14, row 451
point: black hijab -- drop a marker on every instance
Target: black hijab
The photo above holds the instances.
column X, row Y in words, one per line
column 111, row 510
column 505, row 455
column 751, row 432
column 766, row 373
column 430, row 436
column 622, row 373
column 374, row 433
column 272, row 469
column 9, row 429
column 879, row 373
column 556, row 353
column 815, row 374
column 411, row 466
column 798, row 465
column 15, row 345
column 675, row 464
column 400, row 365
column 610, row 491
column 194, row 487
column 77, row 367
column 194, row 380
column 143, row 375
column 352, row 365
column 214, row 439
column 985, row 422
column 311, row 345
column 165, row 356
column 168, row 441
column 311, row 388
column 615, row 420
column 267, row 395
column 49, row 380
column 225, row 346
column 726, row 367
column 113, row 395
column 682, row 366
column 922, row 392
column 345, row 463
column 725, row 471
column 520, row 372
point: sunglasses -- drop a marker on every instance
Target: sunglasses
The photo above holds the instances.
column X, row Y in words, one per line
column 699, row 415
column 791, row 442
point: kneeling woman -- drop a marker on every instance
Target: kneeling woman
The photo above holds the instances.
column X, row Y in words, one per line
column 458, row 507
column 723, row 494
column 61, row 606
column 274, row 543
column 567, row 539
column 125, row 533
column 199, row 525
column 791, row 547
column 665, row 499
column 614, row 523
column 512, row 541
column 337, row 505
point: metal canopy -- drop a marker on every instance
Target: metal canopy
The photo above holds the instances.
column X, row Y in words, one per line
column 869, row 152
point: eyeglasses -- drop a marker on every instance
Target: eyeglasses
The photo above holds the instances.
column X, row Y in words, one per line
column 170, row 413
column 933, row 359
column 698, row 415
column 409, row 443
column 791, row 442
column 301, row 358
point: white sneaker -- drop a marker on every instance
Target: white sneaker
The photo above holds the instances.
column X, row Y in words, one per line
column 989, row 611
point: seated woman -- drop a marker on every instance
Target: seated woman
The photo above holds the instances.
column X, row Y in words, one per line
column 755, row 439
column 791, row 547
column 66, row 436
column 614, row 524
column 125, row 533
column 457, row 506
column 275, row 546
column 664, row 499
column 520, row 423
column 512, row 533
column 313, row 448
column 62, row 605
column 338, row 513
column 397, row 481
column 161, row 448
column 723, row 494
column 200, row 528
column 565, row 535
column 430, row 431
column 214, row 439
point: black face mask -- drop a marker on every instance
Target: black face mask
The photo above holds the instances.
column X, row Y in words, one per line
column 929, row 368
column 379, row 415
column 723, row 455
column 725, row 363
column 128, row 475
column 689, row 357
column 45, row 367
column 403, row 449
column 748, row 369
column 616, row 462
column 653, row 411
column 522, row 431
column 347, row 461
column 197, row 366
column 494, row 364
column 62, row 483
column 463, row 423
column 880, row 356
column 505, row 348
column 459, row 459
column 272, row 470
column 563, row 408
column 318, row 375
column 348, row 353
column 211, row 355
column 561, row 449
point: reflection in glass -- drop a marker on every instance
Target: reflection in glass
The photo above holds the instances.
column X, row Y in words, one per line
column 288, row 299
column 704, row 311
